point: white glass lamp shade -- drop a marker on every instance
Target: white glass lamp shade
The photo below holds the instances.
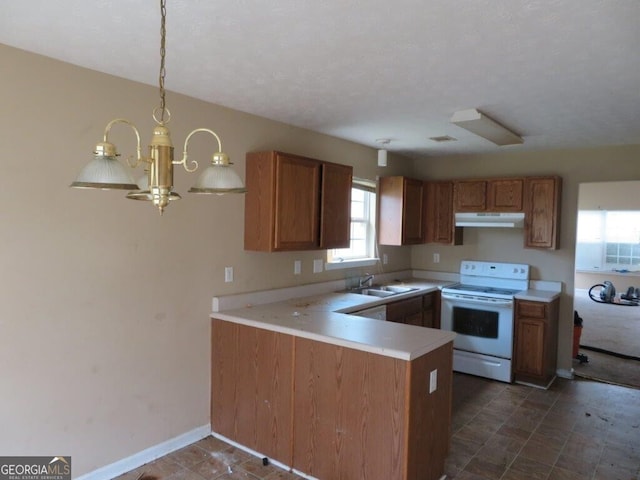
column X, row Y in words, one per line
column 143, row 181
column 218, row 178
column 105, row 172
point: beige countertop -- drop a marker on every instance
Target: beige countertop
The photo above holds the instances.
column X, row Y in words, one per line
column 546, row 296
column 325, row 317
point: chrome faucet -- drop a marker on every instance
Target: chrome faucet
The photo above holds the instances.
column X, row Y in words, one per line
column 366, row 279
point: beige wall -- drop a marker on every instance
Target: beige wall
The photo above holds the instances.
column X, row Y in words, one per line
column 609, row 196
column 575, row 167
column 104, row 344
column 622, row 281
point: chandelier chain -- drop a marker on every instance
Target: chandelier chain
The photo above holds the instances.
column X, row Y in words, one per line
column 163, row 34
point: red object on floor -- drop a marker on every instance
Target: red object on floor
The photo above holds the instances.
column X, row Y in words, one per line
column 577, row 331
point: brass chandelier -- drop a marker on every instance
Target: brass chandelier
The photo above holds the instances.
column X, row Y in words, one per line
column 106, row 172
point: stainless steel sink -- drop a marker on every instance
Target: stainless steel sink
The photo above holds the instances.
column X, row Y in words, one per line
column 375, row 292
column 382, row 291
column 398, row 289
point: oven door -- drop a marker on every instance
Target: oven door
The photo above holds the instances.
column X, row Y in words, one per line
column 483, row 326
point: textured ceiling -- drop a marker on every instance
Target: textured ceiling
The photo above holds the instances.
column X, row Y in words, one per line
column 561, row 73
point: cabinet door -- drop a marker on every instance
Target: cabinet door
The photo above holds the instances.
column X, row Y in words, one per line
column 297, row 203
column 412, row 227
column 530, row 341
column 400, row 216
column 390, row 198
column 406, row 311
column 470, row 195
column 438, row 214
column 505, row 195
column 431, row 310
column 258, row 202
column 542, row 212
column 335, row 214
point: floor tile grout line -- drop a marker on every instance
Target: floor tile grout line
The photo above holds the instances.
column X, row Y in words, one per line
column 527, row 440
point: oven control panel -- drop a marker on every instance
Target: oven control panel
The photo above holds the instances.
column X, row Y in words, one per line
column 513, row 271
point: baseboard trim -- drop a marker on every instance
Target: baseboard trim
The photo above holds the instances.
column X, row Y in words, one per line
column 562, row 373
column 260, row 455
column 148, row 455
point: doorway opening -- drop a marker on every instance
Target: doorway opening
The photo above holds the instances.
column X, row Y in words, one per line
column 608, row 250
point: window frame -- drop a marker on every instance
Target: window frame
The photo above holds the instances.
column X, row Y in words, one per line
column 594, row 247
column 333, row 261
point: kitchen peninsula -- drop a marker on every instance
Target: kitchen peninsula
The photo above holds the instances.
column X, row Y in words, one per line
column 329, row 394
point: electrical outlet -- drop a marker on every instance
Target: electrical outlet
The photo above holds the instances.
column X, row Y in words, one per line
column 297, row 267
column 385, row 259
column 317, row 265
column 436, row 258
column 228, row 274
column 433, row 381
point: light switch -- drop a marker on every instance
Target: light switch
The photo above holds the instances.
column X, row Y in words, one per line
column 228, row 274
column 433, row 381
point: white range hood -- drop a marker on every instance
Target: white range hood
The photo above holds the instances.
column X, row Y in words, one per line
column 490, row 219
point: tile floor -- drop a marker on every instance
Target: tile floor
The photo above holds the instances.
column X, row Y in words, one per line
column 576, row 430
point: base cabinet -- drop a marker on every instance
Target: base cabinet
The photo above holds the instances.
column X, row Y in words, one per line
column 407, row 311
column 422, row 311
column 329, row 411
column 536, row 341
column 431, row 310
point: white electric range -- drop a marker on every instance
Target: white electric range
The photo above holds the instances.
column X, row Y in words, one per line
column 480, row 310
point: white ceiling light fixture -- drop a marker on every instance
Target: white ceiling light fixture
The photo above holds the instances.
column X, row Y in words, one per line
column 382, row 152
column 482, row 125
column 106, row 172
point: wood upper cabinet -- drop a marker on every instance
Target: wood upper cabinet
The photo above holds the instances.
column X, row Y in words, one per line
column 335, row 206
column 400, row 215
column 505, row 195
column 296, row 203
column 470, row 195
column 438, row 214
column 535, row 341
column 542, row 212
column 491, row 195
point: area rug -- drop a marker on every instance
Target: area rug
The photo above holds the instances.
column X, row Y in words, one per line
column 608, row 327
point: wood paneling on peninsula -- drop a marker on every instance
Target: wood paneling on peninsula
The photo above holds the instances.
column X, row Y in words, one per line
column 332, row 411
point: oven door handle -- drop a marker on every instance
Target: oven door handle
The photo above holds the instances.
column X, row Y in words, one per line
column 476, row 300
